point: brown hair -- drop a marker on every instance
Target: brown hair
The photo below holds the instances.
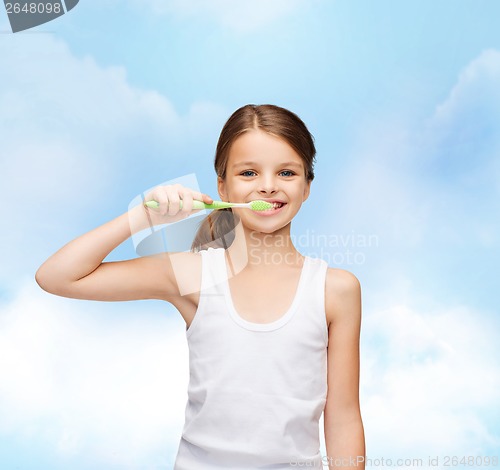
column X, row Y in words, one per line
column 217, row 230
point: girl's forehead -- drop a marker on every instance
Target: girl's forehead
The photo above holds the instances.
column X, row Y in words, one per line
column 260, row 146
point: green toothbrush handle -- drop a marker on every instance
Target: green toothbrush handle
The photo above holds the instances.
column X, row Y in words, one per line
column 217, row 205
column 196, row 205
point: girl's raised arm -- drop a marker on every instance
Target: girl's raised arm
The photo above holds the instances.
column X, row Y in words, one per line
column 77, row 270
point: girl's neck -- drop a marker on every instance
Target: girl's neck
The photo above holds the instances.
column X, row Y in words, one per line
column 256, row 250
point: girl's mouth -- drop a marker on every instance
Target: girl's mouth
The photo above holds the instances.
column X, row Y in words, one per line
column 277, row 207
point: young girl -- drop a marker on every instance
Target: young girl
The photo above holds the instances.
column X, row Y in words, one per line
column 273, row 335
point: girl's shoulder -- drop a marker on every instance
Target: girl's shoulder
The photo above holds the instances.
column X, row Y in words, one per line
column 340, row 279
column 185, row 271
column 342, row 289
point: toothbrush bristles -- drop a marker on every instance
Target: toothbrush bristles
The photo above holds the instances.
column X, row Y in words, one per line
column 261, row 205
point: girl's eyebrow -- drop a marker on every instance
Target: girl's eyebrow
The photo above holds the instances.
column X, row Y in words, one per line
column 256, row 164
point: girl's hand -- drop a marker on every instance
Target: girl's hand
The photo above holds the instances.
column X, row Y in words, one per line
column 168, row 197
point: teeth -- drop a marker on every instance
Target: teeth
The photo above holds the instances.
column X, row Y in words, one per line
column 275, row 205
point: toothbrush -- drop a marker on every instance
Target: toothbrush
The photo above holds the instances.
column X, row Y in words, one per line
column 254, row 205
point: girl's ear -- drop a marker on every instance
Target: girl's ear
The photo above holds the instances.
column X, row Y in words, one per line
column 221, row 188
column 307, row 190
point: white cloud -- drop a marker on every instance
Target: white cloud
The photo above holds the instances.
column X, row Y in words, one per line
column 459, row 153
column 70, row 131
column 432, row 184
column 241, row 16
column 477, row 87
column 463, row 133
column 83, row 382
column 428, row 382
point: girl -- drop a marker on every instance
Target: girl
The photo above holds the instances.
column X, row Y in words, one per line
column 273, row 335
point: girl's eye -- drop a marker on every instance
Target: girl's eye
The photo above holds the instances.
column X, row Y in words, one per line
column 289, row 172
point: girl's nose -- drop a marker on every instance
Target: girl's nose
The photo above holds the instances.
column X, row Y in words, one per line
column 268, row 184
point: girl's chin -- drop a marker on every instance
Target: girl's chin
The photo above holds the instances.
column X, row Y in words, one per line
column 266, row 226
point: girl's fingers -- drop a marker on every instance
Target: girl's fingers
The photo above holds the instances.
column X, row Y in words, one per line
column 169, row 198
column 202, row 197
column 173, row 200
column 187, row 201
column 207, row 199
column 161, row 197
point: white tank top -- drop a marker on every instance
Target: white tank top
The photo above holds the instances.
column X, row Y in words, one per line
column 256, row 390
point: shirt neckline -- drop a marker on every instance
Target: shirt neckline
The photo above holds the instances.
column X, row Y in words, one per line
column 274, row 325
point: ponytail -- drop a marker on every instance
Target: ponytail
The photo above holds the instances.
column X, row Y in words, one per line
column 216, row 231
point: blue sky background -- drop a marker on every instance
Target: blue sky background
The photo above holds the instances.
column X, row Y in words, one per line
column 118, row 96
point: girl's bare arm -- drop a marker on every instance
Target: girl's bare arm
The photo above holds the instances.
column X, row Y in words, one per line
column 77, row 270
column 344, row 433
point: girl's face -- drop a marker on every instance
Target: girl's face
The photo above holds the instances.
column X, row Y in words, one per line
column 262, row 166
